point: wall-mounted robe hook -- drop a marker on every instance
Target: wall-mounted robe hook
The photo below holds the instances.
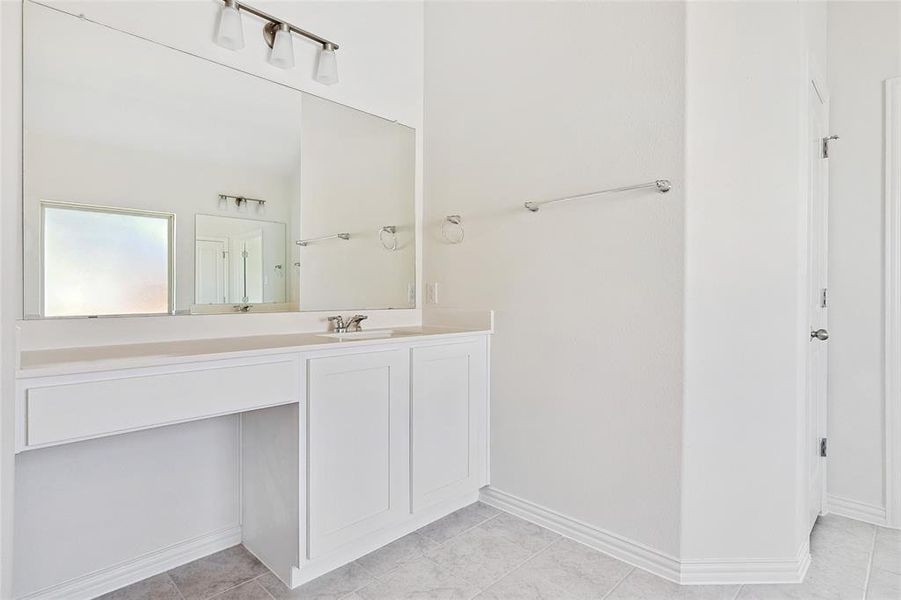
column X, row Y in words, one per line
column 388, row 243
column 452, row 229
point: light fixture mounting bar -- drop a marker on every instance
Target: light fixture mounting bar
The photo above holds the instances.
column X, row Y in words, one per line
column 276, row 21
column 239, row 199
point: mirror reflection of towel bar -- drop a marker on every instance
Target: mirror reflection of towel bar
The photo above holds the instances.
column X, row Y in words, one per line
column 343, row 236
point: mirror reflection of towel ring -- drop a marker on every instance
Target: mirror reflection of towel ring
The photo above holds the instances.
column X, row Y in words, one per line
column 392, row 241
column 455, row 234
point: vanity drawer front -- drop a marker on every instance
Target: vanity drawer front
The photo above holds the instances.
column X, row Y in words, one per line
column 86, row 409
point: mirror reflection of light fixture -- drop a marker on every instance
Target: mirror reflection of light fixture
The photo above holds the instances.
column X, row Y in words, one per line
column 277, row 33
column 327, row 69
column 230, row 32
column 241, row 203
column 281, row 54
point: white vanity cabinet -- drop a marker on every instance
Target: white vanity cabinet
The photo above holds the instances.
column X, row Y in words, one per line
column 343, row 446
column 447, row 421
column 358, row 442
column 395, row 439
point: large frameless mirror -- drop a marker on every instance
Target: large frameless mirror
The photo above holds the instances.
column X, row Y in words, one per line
column 157, row 182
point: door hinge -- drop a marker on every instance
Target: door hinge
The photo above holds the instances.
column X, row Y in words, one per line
column 824, row 298
column 823, row 447
column 826, row 141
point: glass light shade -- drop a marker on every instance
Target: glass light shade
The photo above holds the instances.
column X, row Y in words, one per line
column 230, row 33
column 327, row 69
column 282, row 53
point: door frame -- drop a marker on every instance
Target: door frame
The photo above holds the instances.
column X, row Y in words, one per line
column 892, row 263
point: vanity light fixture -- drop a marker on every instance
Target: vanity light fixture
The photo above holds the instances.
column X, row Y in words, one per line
column 241, row 202
column 230, row 32
column 327, row 68
column 281, row 53
column 277, row 34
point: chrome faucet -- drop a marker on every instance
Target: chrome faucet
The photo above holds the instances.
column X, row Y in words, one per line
column 352, row 324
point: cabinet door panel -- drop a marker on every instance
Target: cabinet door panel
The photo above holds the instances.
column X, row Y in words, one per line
column 448, row 411
column 358, row 443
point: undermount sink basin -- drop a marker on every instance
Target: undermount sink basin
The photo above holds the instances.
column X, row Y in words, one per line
column 360, row 335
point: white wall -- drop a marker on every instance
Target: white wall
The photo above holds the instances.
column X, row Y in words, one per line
column 89, row 505
column 864, row 51
column 530, row 101
column 745, row 322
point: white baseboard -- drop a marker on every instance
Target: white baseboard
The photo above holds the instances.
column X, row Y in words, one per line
column 750, row 571
column 639, row 555
column 628, row 551
column 130, row 571
column 854, row 509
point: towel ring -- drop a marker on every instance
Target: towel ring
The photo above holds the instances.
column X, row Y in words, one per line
column 392, row 230
column 445, row 229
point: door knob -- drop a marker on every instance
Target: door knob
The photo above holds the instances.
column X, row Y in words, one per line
column 820, row 334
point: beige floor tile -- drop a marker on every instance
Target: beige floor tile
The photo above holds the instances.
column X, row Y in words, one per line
column 641, row 585
column 158, row 587
column 457, row 522
column 524, row 584
column 246, row 591
column 331, row 586
column 524, row 534
column 216, row 573
column 385, row 559
column 887, row 552
column 578, row 569
column 884, row 585
column 420, row 580
column 479, row 556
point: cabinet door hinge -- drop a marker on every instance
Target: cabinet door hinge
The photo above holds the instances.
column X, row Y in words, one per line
column 823, row 447
column 824, row 298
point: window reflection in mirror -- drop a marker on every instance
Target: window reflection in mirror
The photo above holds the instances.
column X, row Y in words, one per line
column 100, row 261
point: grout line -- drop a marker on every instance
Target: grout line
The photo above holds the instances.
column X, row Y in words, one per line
column 866, row 584
column 263, row 587
column 177, row 589
column 517, row 566
column 246, row 581
column 611, row 590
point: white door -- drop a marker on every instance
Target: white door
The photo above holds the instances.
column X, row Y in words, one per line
column 210, row 271
column 358, row 441
column 818, row 196
column 448, row 409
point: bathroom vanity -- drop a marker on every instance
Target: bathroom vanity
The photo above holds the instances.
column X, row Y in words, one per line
column 187, row 228
column 347, row 441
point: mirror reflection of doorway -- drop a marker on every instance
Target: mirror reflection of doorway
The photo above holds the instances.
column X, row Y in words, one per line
column 238, row 261
column 211, row 270
column 246, row 268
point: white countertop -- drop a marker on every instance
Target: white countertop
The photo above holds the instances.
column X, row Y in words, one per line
column 64, row 361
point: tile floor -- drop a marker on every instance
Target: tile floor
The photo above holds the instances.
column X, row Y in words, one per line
column 482, row 553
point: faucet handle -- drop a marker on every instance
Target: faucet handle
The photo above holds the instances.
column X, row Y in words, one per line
column 355, row 321
column 338, row 320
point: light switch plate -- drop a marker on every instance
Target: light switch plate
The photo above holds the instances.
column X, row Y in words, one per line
column 431, row 293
